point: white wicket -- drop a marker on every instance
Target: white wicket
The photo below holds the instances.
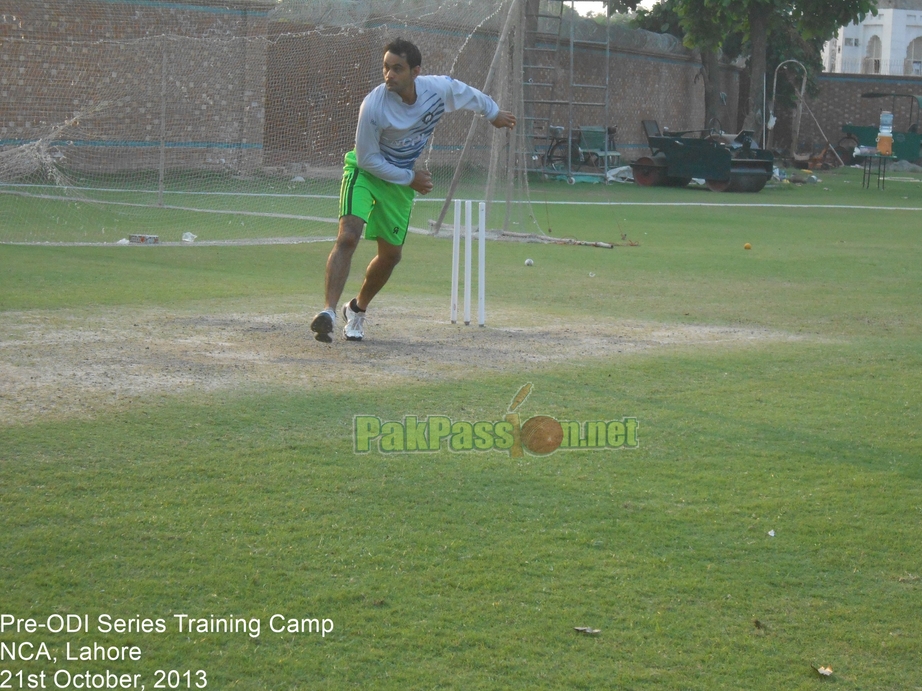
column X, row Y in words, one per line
column 481, row 262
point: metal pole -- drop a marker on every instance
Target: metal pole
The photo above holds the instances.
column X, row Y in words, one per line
column 470, row 133
column 162, row 120
column 514, row 169
column 607, row 87
column 800, row 101
column 570, row 99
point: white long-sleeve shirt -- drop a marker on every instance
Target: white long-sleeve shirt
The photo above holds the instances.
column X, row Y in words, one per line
column 391, row 135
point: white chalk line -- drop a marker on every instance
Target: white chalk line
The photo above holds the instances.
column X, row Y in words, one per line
column 296, row 217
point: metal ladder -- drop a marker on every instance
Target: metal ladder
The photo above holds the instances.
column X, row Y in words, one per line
column 552, row 99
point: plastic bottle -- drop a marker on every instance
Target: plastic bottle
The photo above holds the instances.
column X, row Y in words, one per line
column 886, row 122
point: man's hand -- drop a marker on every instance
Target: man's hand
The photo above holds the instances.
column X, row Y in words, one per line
column 422, row 181
column 504, row 119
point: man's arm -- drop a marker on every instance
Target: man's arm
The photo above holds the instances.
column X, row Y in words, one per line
column 459, row 95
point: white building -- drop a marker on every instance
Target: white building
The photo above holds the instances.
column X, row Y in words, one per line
column 889, row 43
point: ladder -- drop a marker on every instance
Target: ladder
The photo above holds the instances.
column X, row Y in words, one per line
column 558, row 101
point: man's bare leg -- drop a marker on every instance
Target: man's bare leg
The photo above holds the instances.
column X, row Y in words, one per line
column 376, row 275
column 340, row 260
column 338, row 265
column 378, row 272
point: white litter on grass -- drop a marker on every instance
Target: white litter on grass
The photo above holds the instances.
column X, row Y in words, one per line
column 188, row 237
column 620, row 174
column 771, row 533
column 297, row 178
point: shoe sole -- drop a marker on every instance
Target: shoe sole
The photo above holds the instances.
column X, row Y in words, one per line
column 346, row 317
column 322, row 326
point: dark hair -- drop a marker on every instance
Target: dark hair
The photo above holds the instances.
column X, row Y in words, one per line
column 406, row 50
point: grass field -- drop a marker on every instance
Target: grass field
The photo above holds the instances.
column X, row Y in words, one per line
column 173, row 441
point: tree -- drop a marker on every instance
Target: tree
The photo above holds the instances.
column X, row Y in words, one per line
column 622, row 5
column 665, row 18
column 781, row 29
column 705, row 21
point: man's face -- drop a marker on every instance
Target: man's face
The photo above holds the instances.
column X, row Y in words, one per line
column 398, row 75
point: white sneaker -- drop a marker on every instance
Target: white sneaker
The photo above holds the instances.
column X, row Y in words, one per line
column 323, row 325
column 354, row 330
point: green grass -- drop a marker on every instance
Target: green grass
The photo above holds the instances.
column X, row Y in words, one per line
column 470, row 570
column 105, row 209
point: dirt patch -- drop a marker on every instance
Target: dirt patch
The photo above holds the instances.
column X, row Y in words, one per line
column 78, row 364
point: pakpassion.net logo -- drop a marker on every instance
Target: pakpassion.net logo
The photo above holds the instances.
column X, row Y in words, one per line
column 539, row 435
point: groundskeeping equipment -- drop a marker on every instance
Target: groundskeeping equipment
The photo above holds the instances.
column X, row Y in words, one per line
column 727, row 163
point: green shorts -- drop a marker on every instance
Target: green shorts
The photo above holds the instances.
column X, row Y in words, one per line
column 384, row 206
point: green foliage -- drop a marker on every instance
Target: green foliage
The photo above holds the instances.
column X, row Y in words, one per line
column 706, row 25
column 622, row 6
column 707, row 22
column 818, row 19
column 789, row 45
column 661, row 18
column 622, row 19
column 812, row 18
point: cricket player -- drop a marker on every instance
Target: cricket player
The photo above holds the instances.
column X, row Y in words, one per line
column 379, row 179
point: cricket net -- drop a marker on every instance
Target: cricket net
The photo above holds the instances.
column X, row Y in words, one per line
column 229, row 120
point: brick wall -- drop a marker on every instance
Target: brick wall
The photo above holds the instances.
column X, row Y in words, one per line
column 311, row 112
column 115, row 63
column 667, row 89
column 212, row 83
column 317, row 78
column 840, row 102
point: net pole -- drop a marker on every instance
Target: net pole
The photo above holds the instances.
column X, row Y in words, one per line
column 162, row 165
column 504, row 34
column 518, row 98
